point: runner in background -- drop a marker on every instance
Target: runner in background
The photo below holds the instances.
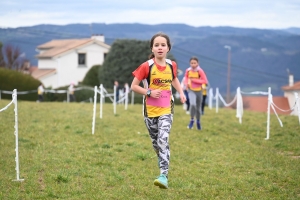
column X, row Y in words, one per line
column 193, row 79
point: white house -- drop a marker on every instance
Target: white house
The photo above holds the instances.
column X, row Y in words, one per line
column 289, row 92
column 62, row 62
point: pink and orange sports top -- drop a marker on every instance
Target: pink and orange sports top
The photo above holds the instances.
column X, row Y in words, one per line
column 154, row 77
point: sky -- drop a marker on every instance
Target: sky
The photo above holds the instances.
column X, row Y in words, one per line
column 262, row 14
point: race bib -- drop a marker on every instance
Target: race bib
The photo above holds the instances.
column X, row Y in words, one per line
column 162, row 101
column 196, row 85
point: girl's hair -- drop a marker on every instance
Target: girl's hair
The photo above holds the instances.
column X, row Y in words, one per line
column 194, row 58
column 159, row 34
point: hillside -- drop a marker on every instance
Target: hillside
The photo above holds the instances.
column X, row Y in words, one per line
column 260, row 57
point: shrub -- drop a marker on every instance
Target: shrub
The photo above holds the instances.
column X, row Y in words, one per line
column 10, row 80
column 91, row 77
column 80, row 95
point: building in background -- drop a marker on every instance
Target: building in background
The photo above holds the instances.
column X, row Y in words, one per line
column 61, row 62
column 289, row 91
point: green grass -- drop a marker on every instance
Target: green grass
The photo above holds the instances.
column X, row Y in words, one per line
column 61, row 159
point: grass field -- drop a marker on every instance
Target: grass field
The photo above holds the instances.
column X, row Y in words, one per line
column 61, row 159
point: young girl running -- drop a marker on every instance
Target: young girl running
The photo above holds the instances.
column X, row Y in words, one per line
column 158, row 75
column 194, row 78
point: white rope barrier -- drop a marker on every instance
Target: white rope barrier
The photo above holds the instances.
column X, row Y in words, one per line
column 56, row 91
column 256, row 92
column 289, row 110
column 268, row 115
column 239, row 105
column 106, row 94
column 22, row 92
column 16, row 133
column 210, row 98
column 7, row 105
column 94, row 110
column 103, row 93
column 227, row 104
column 16, row 136
column 101, row 99
column 272, row 105
column 48, row 91
column 115, row 97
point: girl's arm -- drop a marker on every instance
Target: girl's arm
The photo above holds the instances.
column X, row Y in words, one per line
column 135, row 86
column 177, row 86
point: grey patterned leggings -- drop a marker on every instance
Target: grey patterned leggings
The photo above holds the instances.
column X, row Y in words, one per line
column 159, row 130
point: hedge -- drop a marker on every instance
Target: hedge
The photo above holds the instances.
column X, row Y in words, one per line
column 11, row 79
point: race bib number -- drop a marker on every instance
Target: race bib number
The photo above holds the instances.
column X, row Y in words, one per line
column 162, row 101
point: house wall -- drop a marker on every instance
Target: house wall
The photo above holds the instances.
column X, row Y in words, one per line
column 291, row 99
column 67, row 68
column 49, row 81
column 47, row 64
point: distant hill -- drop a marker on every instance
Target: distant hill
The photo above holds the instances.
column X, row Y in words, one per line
column 293, row 30
column 259, row 57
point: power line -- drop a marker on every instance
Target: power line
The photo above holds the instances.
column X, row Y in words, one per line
column 223, row 65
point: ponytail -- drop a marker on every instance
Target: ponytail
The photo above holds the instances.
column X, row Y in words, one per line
column 151, row 56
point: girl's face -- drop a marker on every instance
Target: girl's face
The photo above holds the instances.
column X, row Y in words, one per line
column 194, row 64
column 160, row 47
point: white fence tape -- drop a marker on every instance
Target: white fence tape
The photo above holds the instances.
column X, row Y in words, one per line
column 22, row 92
column 102, row 94
column 94, row 110
column 15, row 101
column 227, row 104
column 256, row 92
column 239, row 105
column 210, row 98
column 48, row 91
column 8, row 105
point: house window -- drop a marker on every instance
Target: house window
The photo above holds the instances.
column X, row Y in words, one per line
column 82, row 59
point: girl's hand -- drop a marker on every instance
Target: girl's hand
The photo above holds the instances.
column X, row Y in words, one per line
column 155, row 93
column 182, row 98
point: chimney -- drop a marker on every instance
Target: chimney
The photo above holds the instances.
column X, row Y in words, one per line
column 99, row 37
column 291, row 80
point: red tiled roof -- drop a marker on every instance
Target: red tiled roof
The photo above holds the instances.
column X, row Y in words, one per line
column 260, row 104
column 38, row 73
column 56, row 47
column 296, row 86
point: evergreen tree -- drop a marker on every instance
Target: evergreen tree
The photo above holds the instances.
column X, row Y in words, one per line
column 2, row 63
column 123, row 58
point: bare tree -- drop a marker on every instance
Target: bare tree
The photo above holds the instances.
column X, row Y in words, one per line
column 25, row 66
column 12, row 57
column 11, row 53
column 2, row 63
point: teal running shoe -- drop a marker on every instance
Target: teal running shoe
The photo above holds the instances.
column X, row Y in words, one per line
column 161, row 182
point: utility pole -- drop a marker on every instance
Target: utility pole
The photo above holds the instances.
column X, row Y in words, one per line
column 228, row 73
